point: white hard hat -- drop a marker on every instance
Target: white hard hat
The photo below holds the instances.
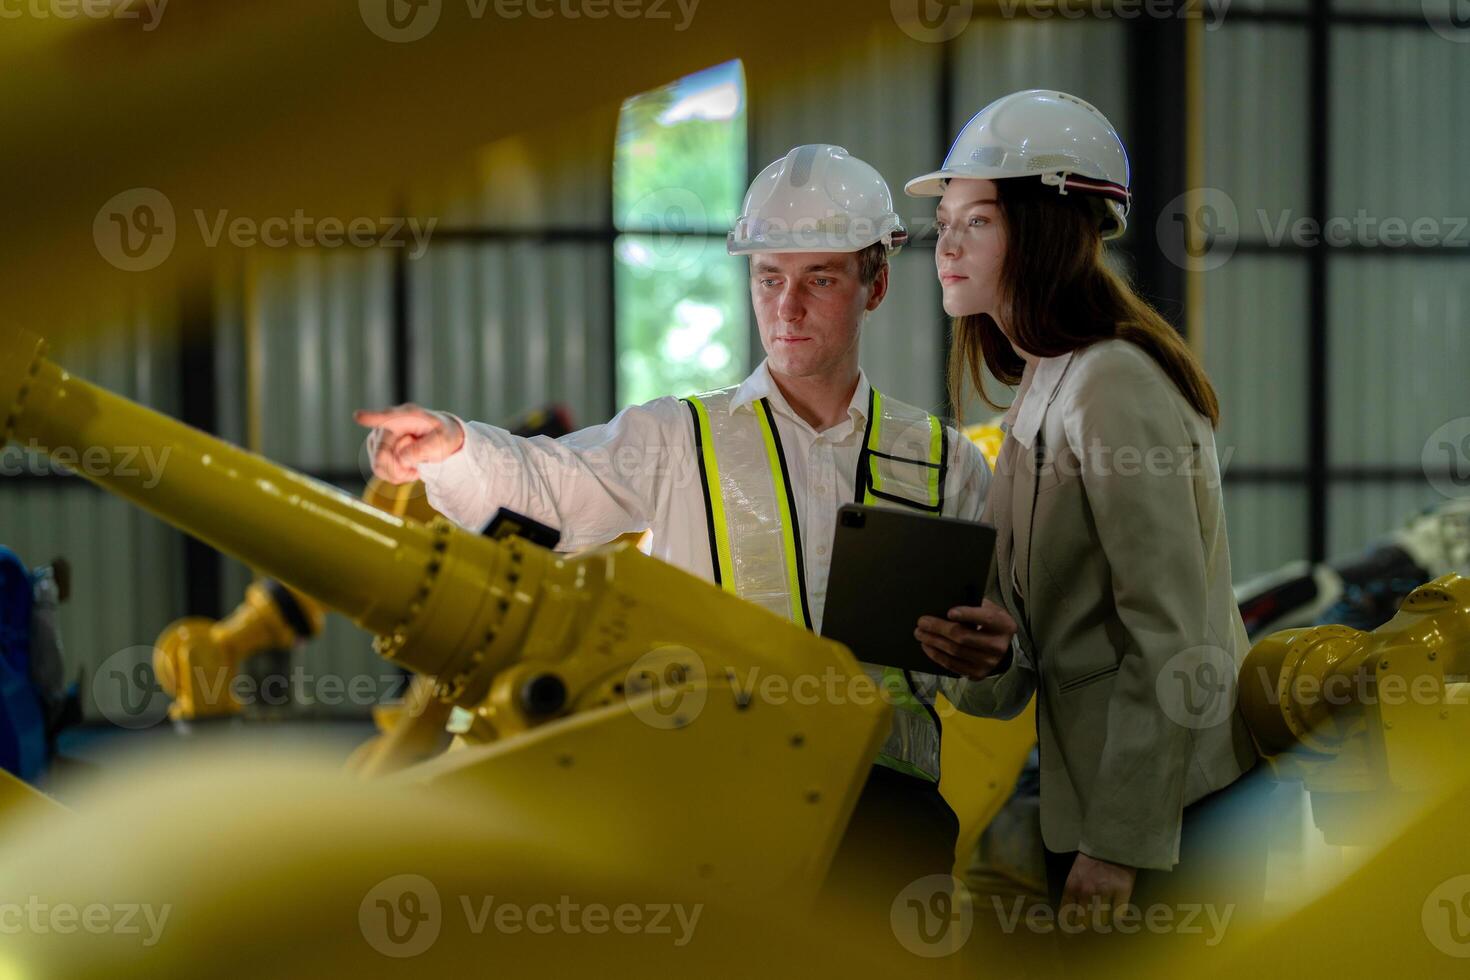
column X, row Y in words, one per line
column 1040, row 133
column 817, row 198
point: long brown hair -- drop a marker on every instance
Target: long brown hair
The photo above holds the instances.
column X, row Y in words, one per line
column 1061, row 296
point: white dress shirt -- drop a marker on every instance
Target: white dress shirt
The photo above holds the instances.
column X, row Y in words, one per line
column 640, row 471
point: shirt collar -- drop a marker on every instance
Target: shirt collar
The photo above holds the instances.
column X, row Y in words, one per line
column 760, row 385
column 1038, row 386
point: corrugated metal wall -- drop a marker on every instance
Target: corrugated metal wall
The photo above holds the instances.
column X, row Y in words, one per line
column 126, row 565
column 314, row 339
column 503, row 327
column 1396, row 353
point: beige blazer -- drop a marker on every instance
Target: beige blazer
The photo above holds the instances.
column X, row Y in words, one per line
column 1129, row 631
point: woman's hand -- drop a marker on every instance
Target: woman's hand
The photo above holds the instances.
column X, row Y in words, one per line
column 1094, row 883
column 971, row 642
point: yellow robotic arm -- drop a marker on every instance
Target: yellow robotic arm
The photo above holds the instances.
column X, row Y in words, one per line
column 1362, row 718
column 608, row 680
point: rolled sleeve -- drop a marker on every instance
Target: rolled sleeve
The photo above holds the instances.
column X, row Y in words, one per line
column 593, row 485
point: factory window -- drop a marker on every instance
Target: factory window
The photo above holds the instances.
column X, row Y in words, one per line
column 679, row 172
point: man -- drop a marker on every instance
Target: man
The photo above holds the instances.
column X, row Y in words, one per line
column 742, row 486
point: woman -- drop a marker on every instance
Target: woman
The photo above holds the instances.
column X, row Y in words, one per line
column 1111, row 553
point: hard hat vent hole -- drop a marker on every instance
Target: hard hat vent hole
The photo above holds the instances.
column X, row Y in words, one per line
column 989, row 156
column 801, row 169
column 1049, row 161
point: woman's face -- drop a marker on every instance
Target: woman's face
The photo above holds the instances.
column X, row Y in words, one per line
column 971, row 248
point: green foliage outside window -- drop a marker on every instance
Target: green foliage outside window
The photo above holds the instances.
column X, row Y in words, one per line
column 679, row 176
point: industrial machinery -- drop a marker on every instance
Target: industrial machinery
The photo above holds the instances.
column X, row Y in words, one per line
column 596, row 690
column 1366, row 719
column 612, row 749
column 1367, row 589
column 196, row 659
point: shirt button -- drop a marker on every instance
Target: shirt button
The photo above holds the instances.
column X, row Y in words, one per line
column 821, row 549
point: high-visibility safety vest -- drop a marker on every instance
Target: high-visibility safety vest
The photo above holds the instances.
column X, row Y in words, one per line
column 755, row 536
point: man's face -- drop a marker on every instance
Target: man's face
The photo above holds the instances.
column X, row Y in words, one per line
column 809, row 307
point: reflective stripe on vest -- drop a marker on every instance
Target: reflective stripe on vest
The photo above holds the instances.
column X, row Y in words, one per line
column 904, row 458
column 755, row 534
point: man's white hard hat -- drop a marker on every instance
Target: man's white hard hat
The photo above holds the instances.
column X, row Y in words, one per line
column 817, row 198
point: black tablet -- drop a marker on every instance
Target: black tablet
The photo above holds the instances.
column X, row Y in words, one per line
column 889, row 567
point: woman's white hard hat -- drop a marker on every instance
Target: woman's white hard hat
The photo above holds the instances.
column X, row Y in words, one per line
column 1042, row 133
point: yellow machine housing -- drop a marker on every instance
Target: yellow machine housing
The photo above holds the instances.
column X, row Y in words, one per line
column 568, row 668
column 1363, row 718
